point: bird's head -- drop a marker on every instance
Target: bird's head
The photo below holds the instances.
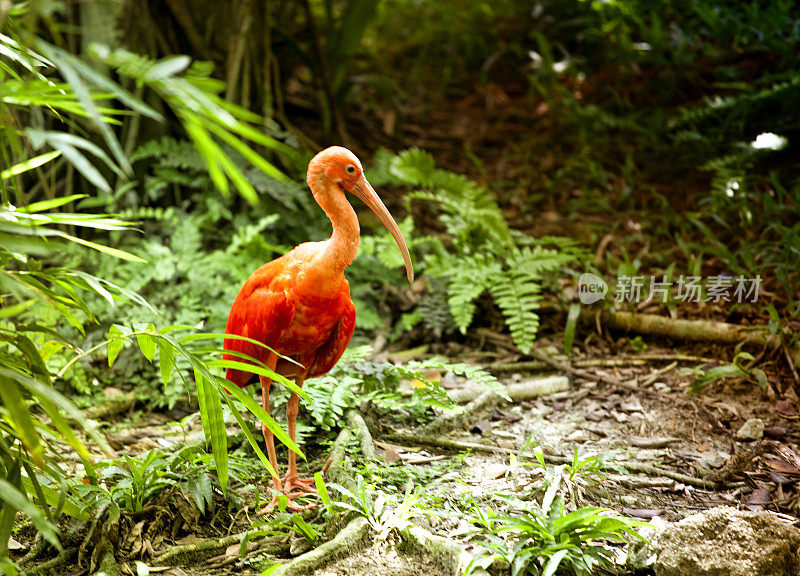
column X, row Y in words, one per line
column 338, row 169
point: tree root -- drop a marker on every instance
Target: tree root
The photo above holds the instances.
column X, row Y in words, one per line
column 449, row 558
column 192, row 554
column 692, row 330
column 464, row 418
column 640, row 467
column 108, row 563
column 356, row 429
column 336, row 472
column 111, row 407
column 638, row 360
column 357, row 425
column 519, row 391
column 482, row 400
column 353, row 537
column 60, row 560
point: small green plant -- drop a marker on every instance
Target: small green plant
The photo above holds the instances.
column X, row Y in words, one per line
column 385, row 512
column 705, row 375
column 598, row 466
column 135, row 481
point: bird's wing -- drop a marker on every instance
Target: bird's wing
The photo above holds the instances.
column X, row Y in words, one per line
column 261, row 311
column 330, row 352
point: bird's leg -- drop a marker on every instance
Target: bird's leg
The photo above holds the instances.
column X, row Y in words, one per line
column 292, row 479
column 269, row 437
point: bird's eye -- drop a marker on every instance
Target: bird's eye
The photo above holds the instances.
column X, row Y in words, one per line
column 350, row 169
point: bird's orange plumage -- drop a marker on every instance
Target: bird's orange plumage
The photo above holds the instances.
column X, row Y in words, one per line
column 279, row 307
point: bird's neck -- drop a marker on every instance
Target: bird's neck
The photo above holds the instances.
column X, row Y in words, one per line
column 342, row 247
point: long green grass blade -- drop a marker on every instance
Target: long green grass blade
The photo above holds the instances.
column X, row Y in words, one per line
column 16, row 499
column 213, row 423
column 20, row 417
column 29, row 164
column 262, row 415
column 250, row 438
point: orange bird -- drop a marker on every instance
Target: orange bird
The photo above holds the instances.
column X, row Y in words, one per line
column 299, row 304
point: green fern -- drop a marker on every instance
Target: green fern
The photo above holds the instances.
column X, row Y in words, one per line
column 467, row 282
column 483, row 254
column 518, row 297
column 170, row 153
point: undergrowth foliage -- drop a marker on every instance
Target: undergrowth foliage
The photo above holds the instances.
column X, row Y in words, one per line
column 480, row 253
column 48, row 302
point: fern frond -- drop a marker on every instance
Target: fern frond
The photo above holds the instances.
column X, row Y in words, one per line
column 413, row 166
column 436, row 316
column 467, row 282
column 476, row 374
column 538, row 260
column 170, row 153
column 518, row 297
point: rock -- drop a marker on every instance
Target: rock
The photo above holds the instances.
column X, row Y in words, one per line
column 642, row 555
column 752, row 429
column 727, row 542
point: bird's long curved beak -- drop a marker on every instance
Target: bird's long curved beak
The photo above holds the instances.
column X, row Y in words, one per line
column 364, row 191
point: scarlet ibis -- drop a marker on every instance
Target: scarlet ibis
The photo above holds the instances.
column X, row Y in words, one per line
column 299, row 304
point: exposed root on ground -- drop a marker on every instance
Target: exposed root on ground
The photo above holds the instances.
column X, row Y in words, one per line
column 352, row 538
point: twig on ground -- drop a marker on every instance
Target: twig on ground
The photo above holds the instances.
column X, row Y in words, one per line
column 518, row 391
column 656, row 374
column 457, row 445
column 655, row 442
column 792, row 363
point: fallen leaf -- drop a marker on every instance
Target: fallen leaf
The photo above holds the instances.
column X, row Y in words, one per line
column 779, row 479
column 782, row 466
column 390, row 455
column 775, row 432
column 759, row 496
column 786, row 408
column 632, row 405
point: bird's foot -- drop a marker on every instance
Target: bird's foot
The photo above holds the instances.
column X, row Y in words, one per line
column 304, row 485
column 291, row 504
